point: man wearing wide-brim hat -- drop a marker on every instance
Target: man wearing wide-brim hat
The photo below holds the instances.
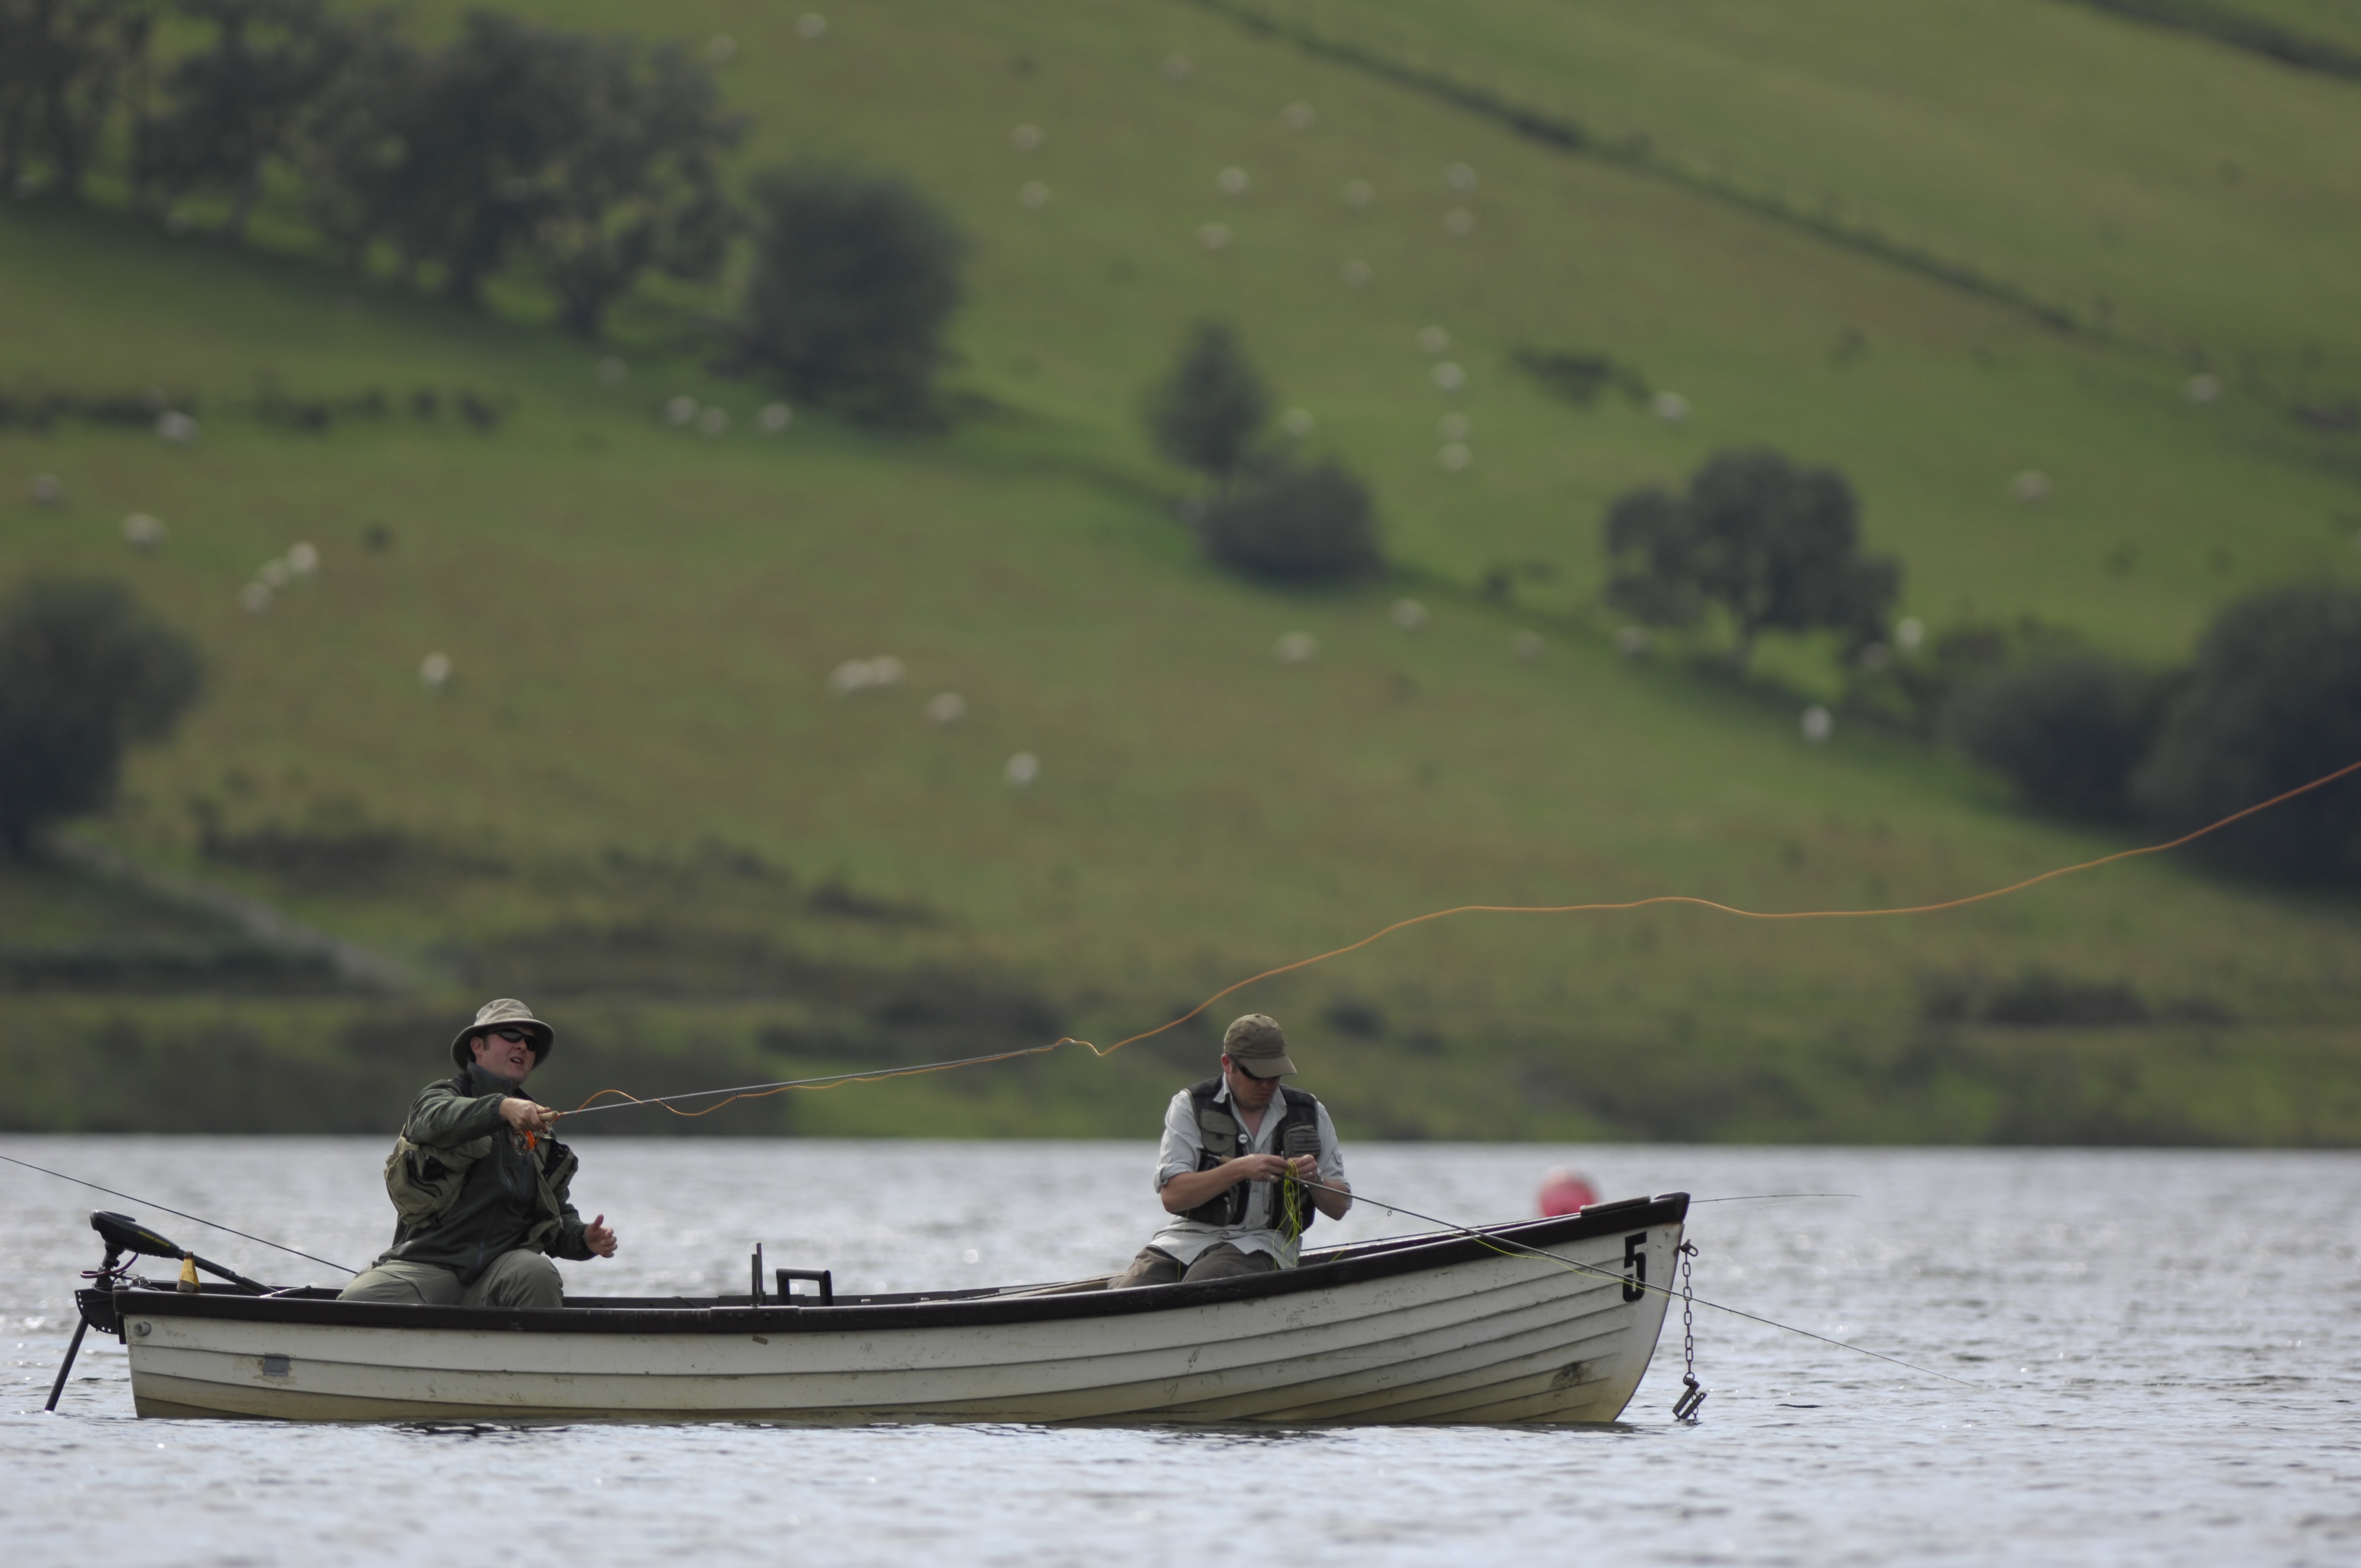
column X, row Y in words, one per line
column 479, row 1188
column 1245, row 1166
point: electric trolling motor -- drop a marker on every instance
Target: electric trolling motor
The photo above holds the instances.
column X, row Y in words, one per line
column 122, row 1234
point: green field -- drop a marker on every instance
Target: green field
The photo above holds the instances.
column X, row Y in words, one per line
column 638, row 804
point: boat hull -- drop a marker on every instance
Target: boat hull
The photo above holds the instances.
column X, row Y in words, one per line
column 1447, row 1331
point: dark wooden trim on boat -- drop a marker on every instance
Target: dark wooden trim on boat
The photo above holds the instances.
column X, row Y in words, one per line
column 963, row 1308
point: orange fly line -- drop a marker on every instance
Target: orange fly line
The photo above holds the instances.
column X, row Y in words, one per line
column 760, row 1091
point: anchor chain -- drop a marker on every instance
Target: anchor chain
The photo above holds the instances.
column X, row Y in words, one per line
column 1686, row 1408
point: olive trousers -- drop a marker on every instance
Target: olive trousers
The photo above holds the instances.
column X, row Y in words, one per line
column 1154, row 1266
column 519, row 1278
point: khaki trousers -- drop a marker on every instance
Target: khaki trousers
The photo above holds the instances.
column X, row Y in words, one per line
column 1220, row 1261
column 519, row 1278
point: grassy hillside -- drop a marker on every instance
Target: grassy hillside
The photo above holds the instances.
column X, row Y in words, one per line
column 638, row 804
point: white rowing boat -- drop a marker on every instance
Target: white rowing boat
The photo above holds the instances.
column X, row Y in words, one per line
column 1455, row 1327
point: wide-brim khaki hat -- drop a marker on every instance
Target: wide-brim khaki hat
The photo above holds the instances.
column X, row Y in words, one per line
column 1256, row 1044
column 504, row 1013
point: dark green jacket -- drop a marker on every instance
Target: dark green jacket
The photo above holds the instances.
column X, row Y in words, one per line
column 511, row 1197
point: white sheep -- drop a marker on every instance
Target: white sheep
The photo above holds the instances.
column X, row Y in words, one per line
column 142, row 531
column 1408, row 614
column 1021, row 769
column 1297, row 648
column 435, row 671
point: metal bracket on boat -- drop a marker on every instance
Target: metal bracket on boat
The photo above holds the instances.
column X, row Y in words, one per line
column 823, row 1277
column 1692, row 1400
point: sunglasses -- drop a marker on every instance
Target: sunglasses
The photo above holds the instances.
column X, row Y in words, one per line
column 514, row 1036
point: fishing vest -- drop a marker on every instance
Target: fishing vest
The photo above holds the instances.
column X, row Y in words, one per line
column 1225, row 1138
column 424, row 1183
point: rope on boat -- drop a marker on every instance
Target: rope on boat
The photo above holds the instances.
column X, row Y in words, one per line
column 763, row 1090
column 177, row 1213
column 1502, row 1245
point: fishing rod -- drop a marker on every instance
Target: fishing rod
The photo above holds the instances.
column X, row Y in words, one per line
column 1500, row 1243
column 148, row 1203
column 759, row 1091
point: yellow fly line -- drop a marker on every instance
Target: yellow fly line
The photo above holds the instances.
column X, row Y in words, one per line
column 761, row 1092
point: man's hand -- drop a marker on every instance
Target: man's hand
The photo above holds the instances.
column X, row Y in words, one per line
column 526, row 1116
column 599, row 1237
column 1257, row 1167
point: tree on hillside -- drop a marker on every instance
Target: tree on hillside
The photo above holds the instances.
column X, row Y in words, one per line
column 2274, row 701
column 83, row 672
column 1775, row 547
column 233, row 109
column 443, row 156
column 637, row 186
column 855, row 280
column 1207, row 414
column 62, row 67
column 1298, row 524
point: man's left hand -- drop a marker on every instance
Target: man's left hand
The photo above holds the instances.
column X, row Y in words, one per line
column 599, row 1237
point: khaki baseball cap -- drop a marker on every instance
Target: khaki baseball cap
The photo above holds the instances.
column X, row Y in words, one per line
column 504, row 1013
column 1257, row 1043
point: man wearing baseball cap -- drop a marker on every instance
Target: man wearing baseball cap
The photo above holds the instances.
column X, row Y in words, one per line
column 1229, row 1144
column 478, row 1185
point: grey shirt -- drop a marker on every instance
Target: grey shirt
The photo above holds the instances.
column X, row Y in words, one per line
column 1184, row 1144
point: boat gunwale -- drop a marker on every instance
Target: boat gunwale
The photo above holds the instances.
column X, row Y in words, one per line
column 1355, row 1264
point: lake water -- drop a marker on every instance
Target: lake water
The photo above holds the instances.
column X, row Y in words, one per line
column 2167, row 1349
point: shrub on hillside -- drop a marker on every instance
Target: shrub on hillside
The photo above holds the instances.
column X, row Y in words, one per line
column 83, row 672
column 2067, row 730
column 1774, row 547
column 1207, row 414
column 1295, row 524
column 855, row 280
column 2274, row 701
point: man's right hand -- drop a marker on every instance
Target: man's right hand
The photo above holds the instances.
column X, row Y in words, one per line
column 524, row 1115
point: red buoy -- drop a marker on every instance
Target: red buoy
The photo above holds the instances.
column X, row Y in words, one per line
column 1564, row 1193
